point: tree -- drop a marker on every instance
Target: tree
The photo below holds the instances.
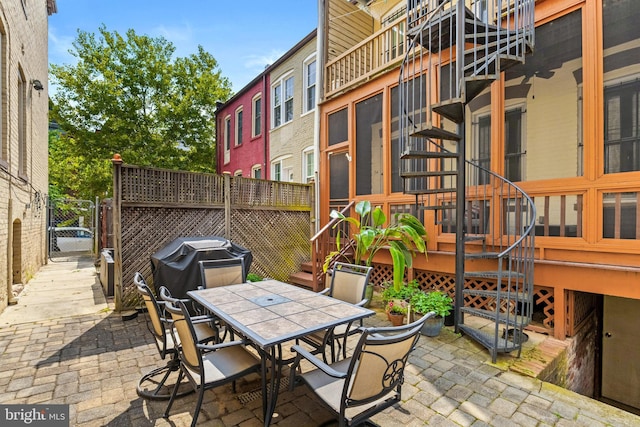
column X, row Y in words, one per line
column 129, row 95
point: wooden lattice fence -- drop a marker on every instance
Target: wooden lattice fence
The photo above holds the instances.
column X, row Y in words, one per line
column 543, row 297
column 152, row 207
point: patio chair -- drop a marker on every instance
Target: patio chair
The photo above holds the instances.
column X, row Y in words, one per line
column 222, row 272
column 356, row 388
column 348, row 283
column 207, row 366
column 152, row 385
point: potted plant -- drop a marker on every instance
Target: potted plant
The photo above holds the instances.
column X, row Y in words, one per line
column 398, row 299
column 404, row 293
column 436, row 301
column 403, row 237
column 396, row 311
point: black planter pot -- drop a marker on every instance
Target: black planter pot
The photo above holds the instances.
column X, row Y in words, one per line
column 449, row 319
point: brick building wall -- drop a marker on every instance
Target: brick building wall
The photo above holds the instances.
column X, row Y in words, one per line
column 581, row 358
column 24, row 141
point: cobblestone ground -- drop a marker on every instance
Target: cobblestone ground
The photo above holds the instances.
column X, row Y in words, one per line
column 93, row 363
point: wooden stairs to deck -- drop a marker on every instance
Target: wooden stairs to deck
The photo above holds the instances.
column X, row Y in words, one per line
column 304, row 277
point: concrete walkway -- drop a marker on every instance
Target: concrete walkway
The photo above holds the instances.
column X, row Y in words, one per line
column 62, row 344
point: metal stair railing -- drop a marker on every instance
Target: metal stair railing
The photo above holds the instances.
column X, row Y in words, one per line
column 499, row 230
column 510, row 241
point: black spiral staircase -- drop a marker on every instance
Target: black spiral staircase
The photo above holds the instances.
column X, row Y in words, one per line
column 456, row 49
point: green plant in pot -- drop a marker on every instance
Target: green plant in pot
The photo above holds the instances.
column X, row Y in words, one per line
column 404, row 293
column 403, row 237
column 438, row 302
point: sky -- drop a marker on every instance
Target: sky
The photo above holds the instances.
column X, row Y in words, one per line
column 243, row 36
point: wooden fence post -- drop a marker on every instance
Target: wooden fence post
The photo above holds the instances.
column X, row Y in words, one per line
column 117, row 230
column 227, row 206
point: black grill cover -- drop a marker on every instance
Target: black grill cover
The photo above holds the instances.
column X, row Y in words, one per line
column 176, row 265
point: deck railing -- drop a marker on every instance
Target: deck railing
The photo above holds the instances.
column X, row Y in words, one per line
column 379, row 52
column 324, row 242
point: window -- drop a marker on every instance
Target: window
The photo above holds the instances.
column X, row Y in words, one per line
column 338, row 127
column 281, row 172
column 482, row 148
column 22, row 124
column 622, row 127
column 309, row 100
column 276, row 114
column 548, row 83
column 277, row 171
column 369, row 173
column 282, row 95
column 256, row 123
column 227, row 139
column 288, row 100
column 513, row 150
column 238, row 172
column 239, row 126
column 308, row 165
column 256, row 172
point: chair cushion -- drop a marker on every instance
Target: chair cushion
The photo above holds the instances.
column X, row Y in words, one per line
column 204, row 332
column 329, row 389
column 225, row 363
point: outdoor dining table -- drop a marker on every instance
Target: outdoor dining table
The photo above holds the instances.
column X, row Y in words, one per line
column 270, row 313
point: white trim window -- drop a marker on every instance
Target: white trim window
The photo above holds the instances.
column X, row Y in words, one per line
column 309, row 93
column 256, row 171
column 308, row 165
column 238, row 140
column 256, row 115
column 282, row 96
column 227, row 139
column 238, row 172
column 281, row 172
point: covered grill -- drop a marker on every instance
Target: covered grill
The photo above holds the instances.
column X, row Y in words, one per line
column 176, row 265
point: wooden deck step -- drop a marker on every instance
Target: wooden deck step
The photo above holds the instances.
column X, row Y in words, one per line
column 302, row 279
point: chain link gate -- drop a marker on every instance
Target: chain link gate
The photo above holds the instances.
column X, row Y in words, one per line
column 71, row 228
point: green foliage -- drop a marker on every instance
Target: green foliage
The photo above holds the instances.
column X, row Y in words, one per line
column 74, row 174
column 129, row 95
column 253, row 277
column 403, row 237
column 404, row 293
column 437, row 301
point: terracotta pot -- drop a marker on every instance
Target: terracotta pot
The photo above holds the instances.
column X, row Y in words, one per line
column 396, row 319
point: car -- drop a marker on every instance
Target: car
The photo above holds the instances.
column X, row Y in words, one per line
column 71, row 239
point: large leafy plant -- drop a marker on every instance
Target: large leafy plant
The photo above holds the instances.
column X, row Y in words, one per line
column 438, row 301
column 404, row 237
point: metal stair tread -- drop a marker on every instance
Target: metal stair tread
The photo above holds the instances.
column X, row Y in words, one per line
column 494, row 275
column 512, row 320
column 481, row 255
column 519, row 296
column 436, row 133
column 427, row 174
column 436, row 208
column 421, row 154
column 488, row 340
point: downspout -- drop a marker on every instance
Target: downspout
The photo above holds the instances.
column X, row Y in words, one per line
column 320, row 60
column 265, row 125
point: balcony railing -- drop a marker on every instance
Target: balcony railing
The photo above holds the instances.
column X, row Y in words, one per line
column 379, row 52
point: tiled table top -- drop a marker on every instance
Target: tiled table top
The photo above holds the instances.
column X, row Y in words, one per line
column 271, row 312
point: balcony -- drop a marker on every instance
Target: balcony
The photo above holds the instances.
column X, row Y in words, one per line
column 377, row 53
